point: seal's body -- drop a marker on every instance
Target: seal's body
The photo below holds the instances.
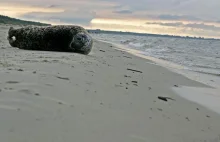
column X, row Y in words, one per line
column 51, row 38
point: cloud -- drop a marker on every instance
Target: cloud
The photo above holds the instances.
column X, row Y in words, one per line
column 178, row 17
column 175, row 24
column 201, row 26
column 79, row 17
column 123, row 12
column 66, row 11
column 168, row 14
column 52, row 6
column 202, row 9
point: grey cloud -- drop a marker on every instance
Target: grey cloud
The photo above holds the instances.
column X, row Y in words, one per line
column 123, row 12
column 79, row 17
column 118, row 6
column 52, row 6
column 181, row 2
column 191, row 25
column 176, row 24
column 178, row 17
column 204, row 26
column 202, row 9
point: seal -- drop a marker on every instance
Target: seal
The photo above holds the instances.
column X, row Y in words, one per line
column 67, row 38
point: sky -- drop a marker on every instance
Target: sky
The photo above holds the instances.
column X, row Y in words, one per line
column 200, row 18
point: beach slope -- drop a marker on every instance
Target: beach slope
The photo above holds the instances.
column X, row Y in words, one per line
column 106, row 96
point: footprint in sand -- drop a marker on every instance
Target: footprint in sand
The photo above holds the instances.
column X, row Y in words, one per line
column 12, row 82
column 8, row 89
column 26, row 91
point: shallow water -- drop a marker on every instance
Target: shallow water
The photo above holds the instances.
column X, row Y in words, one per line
column 201, row 56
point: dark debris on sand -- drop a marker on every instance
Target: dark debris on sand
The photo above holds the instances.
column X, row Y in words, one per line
column 165, row 98
column 134, row 70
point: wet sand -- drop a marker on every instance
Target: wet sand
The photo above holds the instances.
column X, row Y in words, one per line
column 106, row 96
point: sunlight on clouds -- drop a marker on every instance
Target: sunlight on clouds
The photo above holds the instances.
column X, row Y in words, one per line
column 118, row 21
column 132, row 25
column 140, row 26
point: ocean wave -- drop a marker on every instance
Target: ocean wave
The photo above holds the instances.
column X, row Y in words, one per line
column 207, row 67
column 209, row 73
column 198, row 55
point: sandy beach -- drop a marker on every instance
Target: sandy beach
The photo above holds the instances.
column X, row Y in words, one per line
column 106, row 96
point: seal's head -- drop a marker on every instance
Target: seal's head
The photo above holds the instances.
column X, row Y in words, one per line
column 82, row 43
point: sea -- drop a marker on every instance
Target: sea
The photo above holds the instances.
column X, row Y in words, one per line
column 196, row 55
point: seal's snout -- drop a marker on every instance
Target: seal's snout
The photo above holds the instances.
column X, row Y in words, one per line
column 82, row 42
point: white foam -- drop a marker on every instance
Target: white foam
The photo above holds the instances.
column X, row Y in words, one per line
column 197, row 55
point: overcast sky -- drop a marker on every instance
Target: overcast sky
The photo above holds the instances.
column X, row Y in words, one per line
column 180, row 17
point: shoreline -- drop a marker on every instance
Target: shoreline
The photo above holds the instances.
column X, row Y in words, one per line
column 197, row 76
column 208, row 96
column 108, row 95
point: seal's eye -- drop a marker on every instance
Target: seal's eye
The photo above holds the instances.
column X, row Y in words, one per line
column 79, row 38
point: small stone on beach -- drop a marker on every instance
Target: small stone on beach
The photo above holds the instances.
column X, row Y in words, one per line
column 127, row 76
column 159, row 109
column 60, row 103
column 20, row 70
column 207, row 116
column 102, row 50
column 37, row 94
column 127, row 57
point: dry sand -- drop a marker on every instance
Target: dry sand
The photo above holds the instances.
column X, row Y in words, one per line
column 66, row 97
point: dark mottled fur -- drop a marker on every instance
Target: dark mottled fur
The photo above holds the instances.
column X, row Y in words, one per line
column 51, row 38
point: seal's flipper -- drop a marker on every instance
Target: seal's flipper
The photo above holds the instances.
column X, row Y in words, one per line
column 10, row 31
column 11, row 37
